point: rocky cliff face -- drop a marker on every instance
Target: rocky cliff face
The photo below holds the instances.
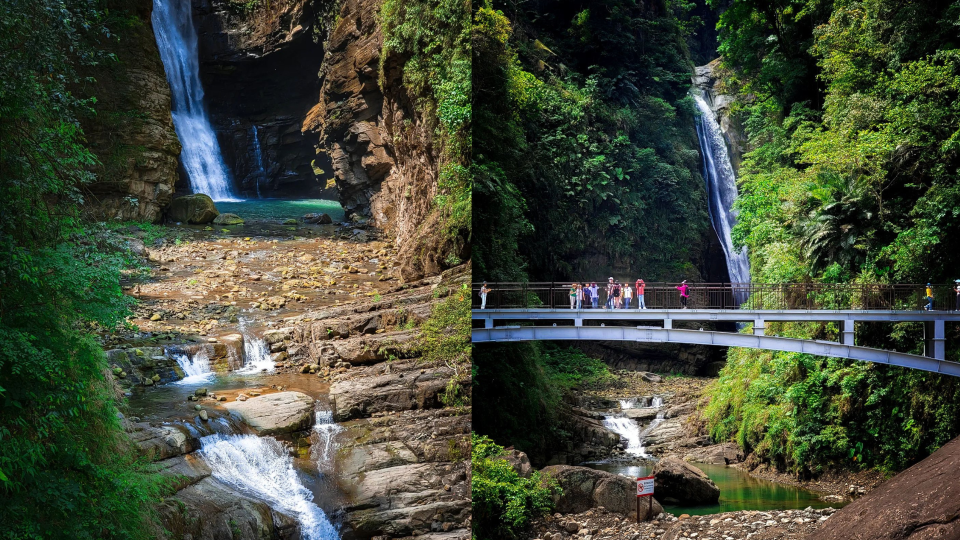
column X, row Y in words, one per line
column 708, row 79
column 132, row 133
column 381, row 147
column 259, row 67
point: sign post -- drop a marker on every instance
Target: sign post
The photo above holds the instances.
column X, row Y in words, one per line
column 644, row 489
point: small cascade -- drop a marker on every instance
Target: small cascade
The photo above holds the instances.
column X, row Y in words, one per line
column 259, row 158
column 256, row 353
column 628, row 430
column 322, row 438
column 177, row 41
column 642, row 437
column 262, row 468
column 657, row 402
column 721, row 191
column 195, row 366
column 628, row 404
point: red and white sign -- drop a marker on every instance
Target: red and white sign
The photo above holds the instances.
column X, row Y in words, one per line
column 645, row 486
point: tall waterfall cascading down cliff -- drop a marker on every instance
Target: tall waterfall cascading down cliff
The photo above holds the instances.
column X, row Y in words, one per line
column 721, row 190
column 177, row 42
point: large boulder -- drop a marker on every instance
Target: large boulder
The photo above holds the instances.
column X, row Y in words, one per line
column 585, row 488
column 919, row 503
column 680, row 482
column 197, row 209
column 399, row 386
column 284, row 412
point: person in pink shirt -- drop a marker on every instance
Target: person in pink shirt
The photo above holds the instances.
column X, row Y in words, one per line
column 641, row 286
column 683, row 294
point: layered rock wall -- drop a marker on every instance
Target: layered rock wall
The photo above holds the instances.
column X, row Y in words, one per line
column 132, row 133
column 380, row 144
column 259, row 66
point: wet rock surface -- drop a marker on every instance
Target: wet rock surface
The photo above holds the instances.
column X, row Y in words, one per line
column 601, row 524
column 679, row 482
column 283, row 412
column 585, row 488
column 919, row 503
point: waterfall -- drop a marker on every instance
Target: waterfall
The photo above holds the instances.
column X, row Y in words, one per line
column 259, row 157
column 262, row 468
column 324, row 431
column 256, row 353
column 721, row 190
column 628, row 430
column 196, row 367
column 177, row 40
column 657, row 402
column 628, row 403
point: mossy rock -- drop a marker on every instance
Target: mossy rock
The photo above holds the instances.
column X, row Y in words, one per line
column 228, row 219
column 197, row 209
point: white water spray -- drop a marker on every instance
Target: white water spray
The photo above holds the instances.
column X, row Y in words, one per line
column 628, row 431
column 177, row 42
column 324, row 432
column 721, row 191
column 196, row 367
column 261, row 467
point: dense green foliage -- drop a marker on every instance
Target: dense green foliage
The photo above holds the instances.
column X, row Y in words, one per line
column 432, row 42
column 585, row 154
column 66, row 468
column 519, row 388
column 503, row 501
column 852, row 109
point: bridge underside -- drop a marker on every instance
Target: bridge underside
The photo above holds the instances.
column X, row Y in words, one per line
column 723, row 339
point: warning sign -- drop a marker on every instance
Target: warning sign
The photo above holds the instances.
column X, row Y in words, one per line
column 645, row 486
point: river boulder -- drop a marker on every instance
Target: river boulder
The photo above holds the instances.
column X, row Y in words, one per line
column 317, row 219
column 680, row 482
column 283, row 412
column 228, row 219
column 585, row 488
column 919, row 503
column 197, row 209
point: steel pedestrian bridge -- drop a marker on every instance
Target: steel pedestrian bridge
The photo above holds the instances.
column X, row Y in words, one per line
column 656, row 325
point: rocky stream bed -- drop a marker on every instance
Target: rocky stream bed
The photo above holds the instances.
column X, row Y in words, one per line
column 273, row 376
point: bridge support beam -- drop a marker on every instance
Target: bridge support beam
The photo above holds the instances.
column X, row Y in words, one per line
column 578, row 321
column 758, row 327
column 488, row 322
column 668, row 323
column 934, row 338
column 848, row 334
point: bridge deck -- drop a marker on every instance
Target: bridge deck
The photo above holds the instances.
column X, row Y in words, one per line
column 590, row 324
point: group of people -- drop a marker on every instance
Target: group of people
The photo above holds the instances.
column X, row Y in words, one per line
column 619, row 295
column 929, row 292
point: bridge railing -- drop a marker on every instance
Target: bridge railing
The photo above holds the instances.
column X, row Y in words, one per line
column 731, row 296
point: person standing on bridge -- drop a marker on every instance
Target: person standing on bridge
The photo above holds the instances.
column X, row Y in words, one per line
column 483, row 295
column 627, row 295
column 641, row 286
column 683, row 294
column 579, row 296
column 609, row 302
column 594, row 295
column 573, row 296
column 929, row 306
column 957, row 289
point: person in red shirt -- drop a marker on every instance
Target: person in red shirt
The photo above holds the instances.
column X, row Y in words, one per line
column 640, row 288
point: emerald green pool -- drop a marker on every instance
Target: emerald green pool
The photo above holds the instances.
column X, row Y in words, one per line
column 738, row 490
column 281, row 209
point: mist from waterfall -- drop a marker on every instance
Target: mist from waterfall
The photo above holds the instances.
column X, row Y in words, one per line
column 721, row 190
column 177, row 41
